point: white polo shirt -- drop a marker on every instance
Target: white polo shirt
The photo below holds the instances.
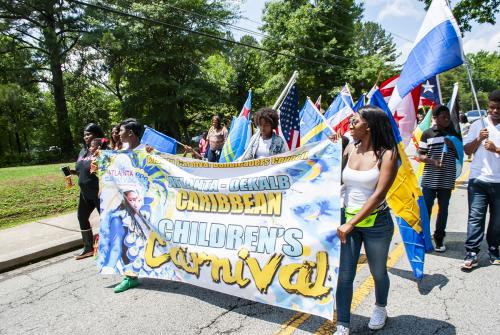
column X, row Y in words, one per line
column 486, row 165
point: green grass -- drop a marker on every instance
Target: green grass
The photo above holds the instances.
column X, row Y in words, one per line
column 29, row 193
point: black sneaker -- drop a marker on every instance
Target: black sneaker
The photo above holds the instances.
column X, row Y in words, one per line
column 494, row 255
column 440, row 247
column 470, row 261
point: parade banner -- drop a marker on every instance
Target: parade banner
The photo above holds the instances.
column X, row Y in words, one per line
column 263, row 230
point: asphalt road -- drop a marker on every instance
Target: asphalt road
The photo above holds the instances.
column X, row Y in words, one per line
column 64, row 296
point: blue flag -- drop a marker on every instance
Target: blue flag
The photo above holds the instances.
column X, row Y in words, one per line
column 360, row 103
column 313, row 126
column 406, row 200
column 159, row 141
column 239, row 134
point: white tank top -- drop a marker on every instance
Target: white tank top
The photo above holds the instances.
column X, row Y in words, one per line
column 359, row 185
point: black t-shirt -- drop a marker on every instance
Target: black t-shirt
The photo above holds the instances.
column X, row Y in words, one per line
column 89, row 183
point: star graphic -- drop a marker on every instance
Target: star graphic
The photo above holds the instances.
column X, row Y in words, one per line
column 428, row 87
column 397, row 118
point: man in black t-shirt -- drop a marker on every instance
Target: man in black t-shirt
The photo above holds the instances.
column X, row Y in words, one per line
column 438, row 154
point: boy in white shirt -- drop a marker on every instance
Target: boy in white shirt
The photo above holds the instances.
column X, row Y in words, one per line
column 483, row 140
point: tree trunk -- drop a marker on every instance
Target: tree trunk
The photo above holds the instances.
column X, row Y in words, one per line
column 26, row 142
column 10, row 143
column 55, row 59
column 18, row 143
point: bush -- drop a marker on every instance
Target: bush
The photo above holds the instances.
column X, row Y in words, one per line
column 36, row 157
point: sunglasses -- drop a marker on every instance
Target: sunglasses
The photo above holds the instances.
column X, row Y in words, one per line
column 353, row 121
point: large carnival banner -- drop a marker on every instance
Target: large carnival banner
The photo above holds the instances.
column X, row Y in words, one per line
column 264, row 230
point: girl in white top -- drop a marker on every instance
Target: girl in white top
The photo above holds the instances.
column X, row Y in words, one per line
column 369, row 169
column 266, row 142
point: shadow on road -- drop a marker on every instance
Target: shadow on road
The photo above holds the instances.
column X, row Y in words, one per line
column 396, row 325
column 455, row 249
column 404, row 324
column 229, row 303
column 427, row 284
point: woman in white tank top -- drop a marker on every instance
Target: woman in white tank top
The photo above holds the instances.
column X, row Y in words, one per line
column 369, row 169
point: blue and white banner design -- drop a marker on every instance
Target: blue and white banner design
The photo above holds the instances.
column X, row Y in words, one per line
column 263, row 230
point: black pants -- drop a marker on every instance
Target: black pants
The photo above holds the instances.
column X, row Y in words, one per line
column 86, row 206
column 213, row 155
column 443, row 198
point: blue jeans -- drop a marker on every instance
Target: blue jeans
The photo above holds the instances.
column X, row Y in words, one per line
column 482, row 194
column 377, row 240
column 443, row 197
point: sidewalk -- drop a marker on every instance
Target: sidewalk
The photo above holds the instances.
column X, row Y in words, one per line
column 43, row 238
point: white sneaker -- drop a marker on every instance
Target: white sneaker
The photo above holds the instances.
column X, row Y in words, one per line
column 341, row 330
column 378, row 319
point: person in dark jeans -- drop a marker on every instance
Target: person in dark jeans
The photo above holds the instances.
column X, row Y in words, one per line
column 89, row 189
column 438, row 154
column 369, row 167
column 483, row 140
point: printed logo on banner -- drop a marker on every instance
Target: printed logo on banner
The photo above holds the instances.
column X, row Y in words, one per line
column 264, row 230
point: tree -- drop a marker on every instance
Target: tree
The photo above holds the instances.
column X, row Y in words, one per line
column 375, row 53
column 50, row 29
column 484, row 67
column 323, row 33
column 247, row 66
column 372, row 39
column 18, row 96
column 155, row 68
column 467, row 11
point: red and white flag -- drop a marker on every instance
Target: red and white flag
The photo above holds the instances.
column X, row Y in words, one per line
column 340, row 111
column 405, row 114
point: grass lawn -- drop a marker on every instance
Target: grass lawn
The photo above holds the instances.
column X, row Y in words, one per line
column 28, row 193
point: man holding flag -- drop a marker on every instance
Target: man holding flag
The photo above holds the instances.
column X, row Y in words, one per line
column 483, row 140
column 437, row 152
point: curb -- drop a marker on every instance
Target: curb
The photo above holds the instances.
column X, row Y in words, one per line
column 17, row 259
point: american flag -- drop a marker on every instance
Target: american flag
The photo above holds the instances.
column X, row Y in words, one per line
column 289, row 127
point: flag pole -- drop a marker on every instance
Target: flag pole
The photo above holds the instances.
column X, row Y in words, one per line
column 469, row 73
column 292, row 81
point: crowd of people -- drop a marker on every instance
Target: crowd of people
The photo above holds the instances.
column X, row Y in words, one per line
column 370, row 164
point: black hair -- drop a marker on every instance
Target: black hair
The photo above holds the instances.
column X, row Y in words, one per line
column 132, row 124
column 381, row 132
column 101, row 143
column 94, row 129
column 438, row 109
column 462, row 118
column 268, row 114
column 494, row 96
